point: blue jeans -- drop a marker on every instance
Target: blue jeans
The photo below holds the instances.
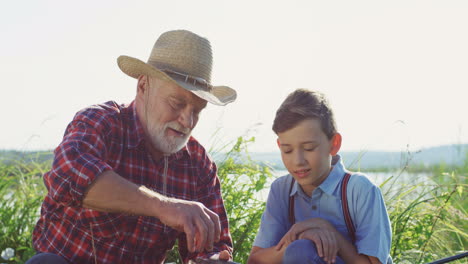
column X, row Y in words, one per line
column 46, row 258
column 302, row 251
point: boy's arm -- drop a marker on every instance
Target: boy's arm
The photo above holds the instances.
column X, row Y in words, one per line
column 373, row 229
column 302, row 226
column 274, row 224
column 346, row 250
column 270, row 255
column 323, row 237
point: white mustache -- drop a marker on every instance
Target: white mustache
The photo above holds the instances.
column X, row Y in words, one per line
column 177, row 127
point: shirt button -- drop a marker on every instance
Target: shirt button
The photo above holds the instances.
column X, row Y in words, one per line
column 314, row 207
column 145, row 228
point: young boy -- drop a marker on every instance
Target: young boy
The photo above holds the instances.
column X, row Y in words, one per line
column 304, row 221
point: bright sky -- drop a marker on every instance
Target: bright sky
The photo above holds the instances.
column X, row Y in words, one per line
column 394, row 71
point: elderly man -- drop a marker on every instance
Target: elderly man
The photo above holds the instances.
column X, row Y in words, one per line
column 127, row 181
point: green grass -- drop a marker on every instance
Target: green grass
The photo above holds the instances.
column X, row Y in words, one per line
column 21, row 193
column 429, row 218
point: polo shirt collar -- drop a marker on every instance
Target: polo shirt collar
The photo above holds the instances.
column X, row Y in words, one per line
column 331, row 182
column 334, row 178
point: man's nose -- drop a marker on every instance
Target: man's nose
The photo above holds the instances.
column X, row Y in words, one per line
column 186, row 119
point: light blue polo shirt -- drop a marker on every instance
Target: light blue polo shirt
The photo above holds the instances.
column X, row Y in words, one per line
column 365, row 201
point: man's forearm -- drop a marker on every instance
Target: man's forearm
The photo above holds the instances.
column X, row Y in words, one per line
column 112, row 193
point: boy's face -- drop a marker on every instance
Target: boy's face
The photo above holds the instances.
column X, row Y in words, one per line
column 306, row 152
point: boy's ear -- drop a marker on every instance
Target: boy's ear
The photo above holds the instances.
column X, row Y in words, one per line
column 335, row 144
column 278, row 143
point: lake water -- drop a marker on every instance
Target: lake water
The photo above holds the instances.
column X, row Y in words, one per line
column 376, row 177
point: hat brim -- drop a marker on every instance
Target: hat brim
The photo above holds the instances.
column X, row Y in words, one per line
column 133, row 67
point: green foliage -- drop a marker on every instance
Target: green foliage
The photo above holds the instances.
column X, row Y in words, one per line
column 242, row 180
column 21, row 193
column 429, row 218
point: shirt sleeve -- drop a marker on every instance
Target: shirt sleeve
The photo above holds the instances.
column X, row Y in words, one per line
column 78, row 160
column 373, row 229
column 274, row 223
column 209, row 193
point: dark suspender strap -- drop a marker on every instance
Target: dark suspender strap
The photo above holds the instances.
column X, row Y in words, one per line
column 344, row 204
column 292, row 219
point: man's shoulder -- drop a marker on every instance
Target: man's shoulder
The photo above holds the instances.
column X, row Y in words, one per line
column 105, row 112
column 107, row 108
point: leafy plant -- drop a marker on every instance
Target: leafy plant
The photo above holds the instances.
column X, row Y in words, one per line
column 429, row 219
column 21, row 193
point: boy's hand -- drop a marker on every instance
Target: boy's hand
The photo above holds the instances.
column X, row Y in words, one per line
column 325, row 241
column 300, row 227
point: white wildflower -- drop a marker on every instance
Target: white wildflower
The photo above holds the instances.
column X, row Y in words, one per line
column 8, row 253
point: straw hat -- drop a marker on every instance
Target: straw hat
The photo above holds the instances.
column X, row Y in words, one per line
column 185, row 58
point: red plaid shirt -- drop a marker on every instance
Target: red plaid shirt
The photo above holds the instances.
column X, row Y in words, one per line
column 110, row 137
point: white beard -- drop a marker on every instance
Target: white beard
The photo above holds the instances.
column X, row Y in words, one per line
column 168, row 144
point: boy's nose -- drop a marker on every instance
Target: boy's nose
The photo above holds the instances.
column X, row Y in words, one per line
column 299, row 158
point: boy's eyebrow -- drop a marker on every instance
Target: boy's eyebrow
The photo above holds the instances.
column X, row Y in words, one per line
column 310, row 142
column 305, row 142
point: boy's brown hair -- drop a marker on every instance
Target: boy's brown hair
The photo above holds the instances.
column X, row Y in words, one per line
column 304, row 104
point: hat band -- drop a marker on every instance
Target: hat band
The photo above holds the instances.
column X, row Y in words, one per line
column 197, row 81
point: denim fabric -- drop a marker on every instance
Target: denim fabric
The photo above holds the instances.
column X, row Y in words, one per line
column 302, row 251
column 46, row 258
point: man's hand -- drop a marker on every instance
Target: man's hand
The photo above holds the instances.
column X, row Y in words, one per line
column 325, row 241
column 300, row 227
column 223, row 255
column 200, row 225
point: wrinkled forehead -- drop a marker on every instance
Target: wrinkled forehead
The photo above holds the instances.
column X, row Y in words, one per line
column 170, row 89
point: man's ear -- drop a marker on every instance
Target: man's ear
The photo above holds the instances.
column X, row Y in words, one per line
column 142, row 84
column 335, row 144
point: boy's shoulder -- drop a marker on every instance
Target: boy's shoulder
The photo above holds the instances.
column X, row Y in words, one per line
column 281, row 186
column 360, row 181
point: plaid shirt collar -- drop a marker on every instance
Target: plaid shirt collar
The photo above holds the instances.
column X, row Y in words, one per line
column 136, row 134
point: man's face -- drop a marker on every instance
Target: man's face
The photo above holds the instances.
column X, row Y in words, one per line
column 168, row 113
